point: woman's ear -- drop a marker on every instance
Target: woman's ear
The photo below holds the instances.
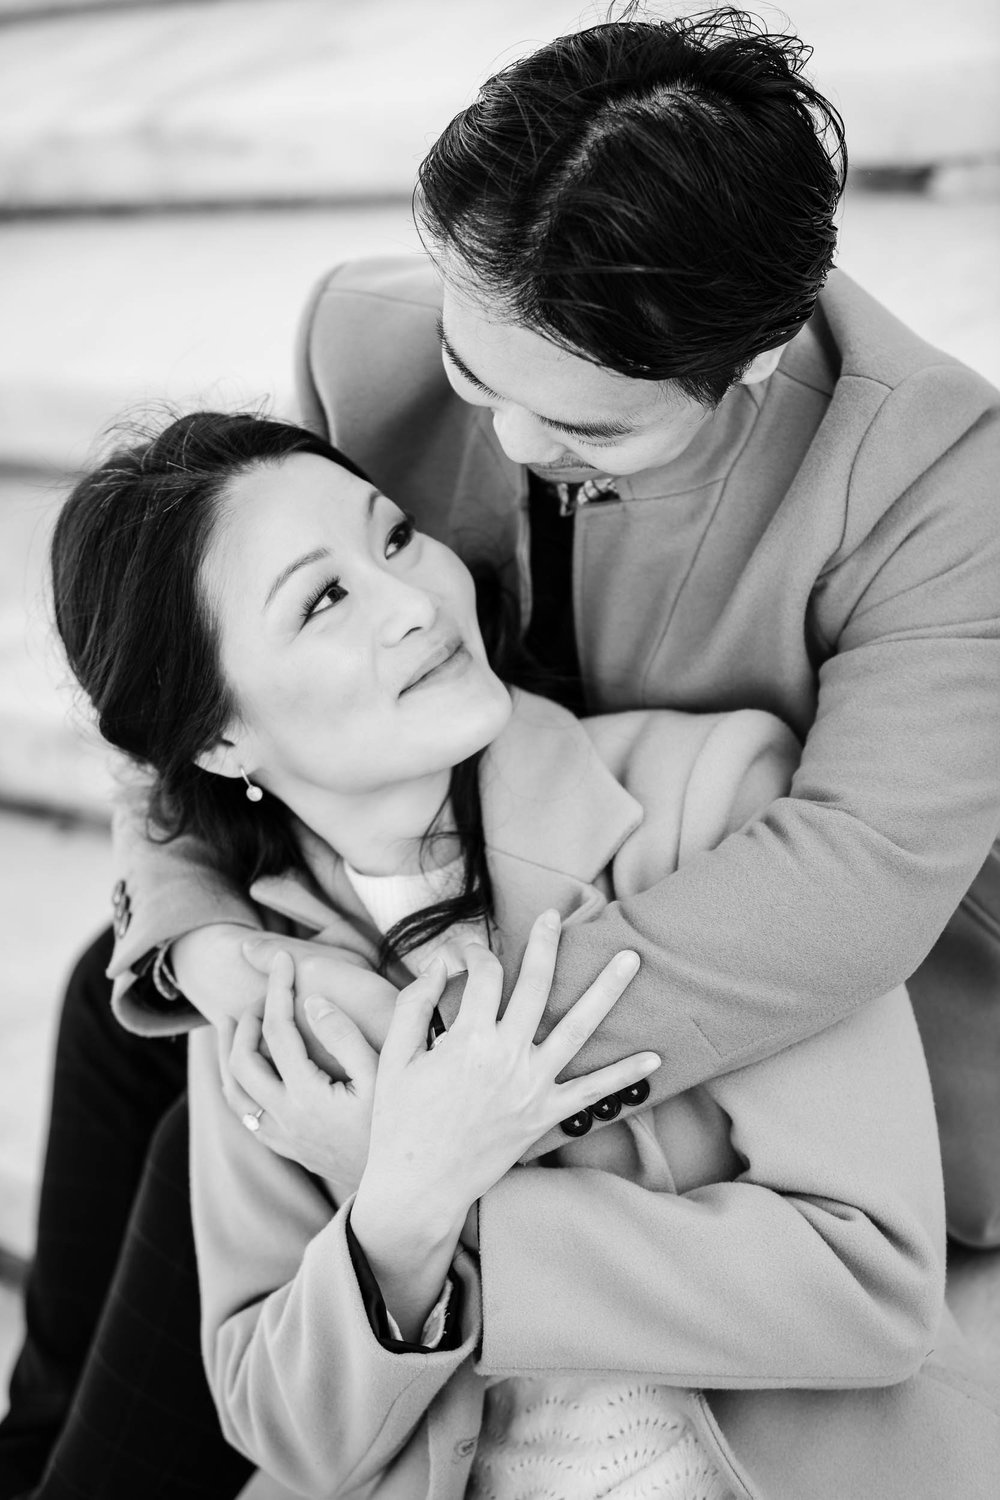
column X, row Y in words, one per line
column 762, row 365
column 225, row 757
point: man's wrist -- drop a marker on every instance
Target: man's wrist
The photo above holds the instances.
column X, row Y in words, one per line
column 199, row 972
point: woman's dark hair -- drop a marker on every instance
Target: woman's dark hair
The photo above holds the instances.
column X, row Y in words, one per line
column 657, row 196
column 126, row 557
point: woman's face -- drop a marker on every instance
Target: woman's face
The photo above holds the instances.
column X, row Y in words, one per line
column 348, row 640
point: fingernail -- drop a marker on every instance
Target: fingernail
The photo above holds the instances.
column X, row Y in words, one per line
column 551, row 919
column 627, row 962
column 316, row 1007
column 250, row 946
column 431, row 969
column 649, row 1064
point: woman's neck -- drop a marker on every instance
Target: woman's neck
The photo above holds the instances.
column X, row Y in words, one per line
column 382, row 832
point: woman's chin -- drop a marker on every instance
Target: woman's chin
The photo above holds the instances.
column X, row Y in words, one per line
column 482, row 711
column 479, row 710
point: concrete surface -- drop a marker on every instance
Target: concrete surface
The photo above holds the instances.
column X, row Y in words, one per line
column 48, row 756
column 11, row 1333
column 55, row 886
column 262, row 100
column 103, row 312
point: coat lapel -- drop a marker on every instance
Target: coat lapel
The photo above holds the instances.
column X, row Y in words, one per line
column 337, row 916
column 554, row 817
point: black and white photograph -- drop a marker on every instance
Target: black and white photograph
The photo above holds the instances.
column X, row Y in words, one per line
column 499, row 750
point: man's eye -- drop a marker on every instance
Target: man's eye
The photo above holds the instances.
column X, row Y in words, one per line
column 318, row 603
column 400, row 536
column 598, row 440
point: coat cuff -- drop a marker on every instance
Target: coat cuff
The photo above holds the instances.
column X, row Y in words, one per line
column 442, row 1328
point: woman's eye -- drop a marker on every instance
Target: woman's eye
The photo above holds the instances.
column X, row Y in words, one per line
column 400, row 536
column 318, row 603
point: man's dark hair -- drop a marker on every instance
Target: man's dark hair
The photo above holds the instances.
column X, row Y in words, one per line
column 657, row 196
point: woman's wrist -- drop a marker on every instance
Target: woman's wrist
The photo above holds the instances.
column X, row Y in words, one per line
column 391, row 1218
column 409, row 1248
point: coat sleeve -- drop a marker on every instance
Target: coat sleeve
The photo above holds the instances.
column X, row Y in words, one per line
column 170, row 888
column 301, row 1383
column 820, row 1264
column 839, row 891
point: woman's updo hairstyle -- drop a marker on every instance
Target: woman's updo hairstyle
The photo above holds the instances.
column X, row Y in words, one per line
column 126, row 557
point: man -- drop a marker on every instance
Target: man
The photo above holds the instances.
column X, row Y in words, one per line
column 630, row 231
column 712, row 484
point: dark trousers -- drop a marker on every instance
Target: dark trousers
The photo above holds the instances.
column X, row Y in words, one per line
column 108, row 1399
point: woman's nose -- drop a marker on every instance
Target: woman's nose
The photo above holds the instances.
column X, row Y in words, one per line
column 404, row 607
column 523, row 438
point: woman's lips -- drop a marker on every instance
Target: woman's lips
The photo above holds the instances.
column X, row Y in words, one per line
column 440, row 659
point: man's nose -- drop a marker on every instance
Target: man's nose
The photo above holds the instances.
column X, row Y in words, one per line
column 524, row 438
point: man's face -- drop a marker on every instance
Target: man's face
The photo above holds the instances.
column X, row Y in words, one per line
column 562, row 416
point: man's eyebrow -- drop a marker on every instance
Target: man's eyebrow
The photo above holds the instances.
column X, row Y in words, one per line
column 316, row 555
column 615, row 428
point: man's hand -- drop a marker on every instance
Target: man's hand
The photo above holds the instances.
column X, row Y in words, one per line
column 345, row 980
column 222, row 969
column 212, row 973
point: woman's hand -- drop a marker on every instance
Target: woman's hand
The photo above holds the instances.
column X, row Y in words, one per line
column 451, row 1121
column 448, row 1123
column 307, row 1117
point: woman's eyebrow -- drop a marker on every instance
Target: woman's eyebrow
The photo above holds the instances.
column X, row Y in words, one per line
column 614, row 428
column 318, row 553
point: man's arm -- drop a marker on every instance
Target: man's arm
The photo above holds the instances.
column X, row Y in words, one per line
column 839, row 893
column 820, row 1264
column 840, row 890
column 167, row 889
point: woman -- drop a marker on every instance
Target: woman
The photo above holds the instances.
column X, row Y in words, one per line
column 774, row 1237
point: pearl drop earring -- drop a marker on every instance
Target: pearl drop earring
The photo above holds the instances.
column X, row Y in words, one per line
column 254, row 793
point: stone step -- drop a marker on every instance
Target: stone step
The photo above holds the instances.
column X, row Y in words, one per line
column 55, row 880
column 250, row 101
column 101, row 315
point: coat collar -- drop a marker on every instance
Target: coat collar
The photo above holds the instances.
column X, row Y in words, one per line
column 553, row 814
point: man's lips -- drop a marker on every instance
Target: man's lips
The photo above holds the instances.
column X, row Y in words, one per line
column 563, row 471
column 431, row 663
